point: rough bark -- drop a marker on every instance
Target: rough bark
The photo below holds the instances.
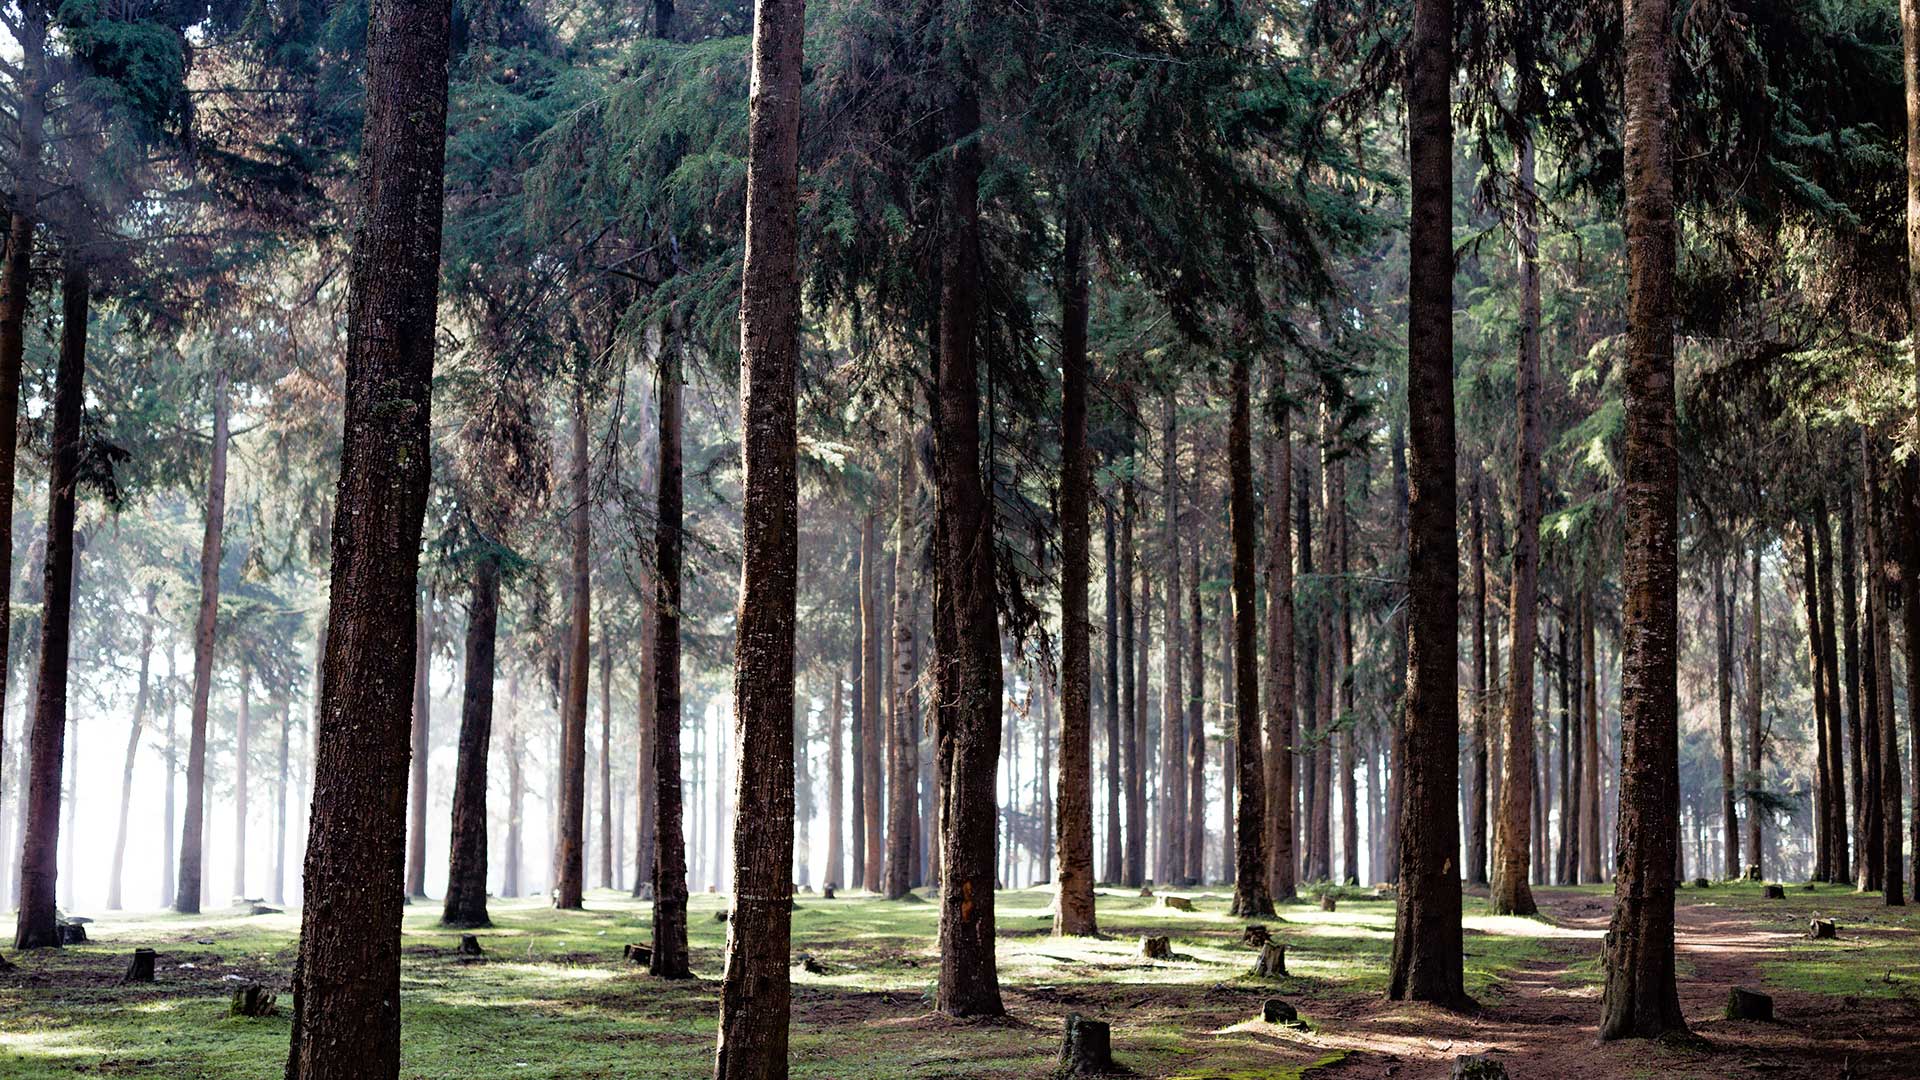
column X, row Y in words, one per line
column 1892, row 874
column 40, row 843
column 1074, row 908
column 1850, row 631
column 1250, row 888
column 670, row 846
column 346, row 1021
column 1640, row 999
column 1513, row 834
column 1590, row 741
column 466, row 901
column 967, row 650
column 1839, row 859
column 1279, row 700
column 1755, row 750
column 606, row 760
column 242, row 774
column 570, row 850
column 1112, row 646
column 1173, row 773
column 1133, row 848
column 755, row 998
column 859, row 731
column 903, row 748
column 1910, row 67
column 645, row 805
column 1427, row 937
column 1196, row 871
column 836, row 787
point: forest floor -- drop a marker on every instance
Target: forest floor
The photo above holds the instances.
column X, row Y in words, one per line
column 552, row 998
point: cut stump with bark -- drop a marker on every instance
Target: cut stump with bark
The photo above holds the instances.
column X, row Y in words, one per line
column 253, row 1000
column 1775, row 892
column 470, row 946
column 1088, row 1047
column 1156, row 947
column 1822, row 930
column 1327, row 902
column 1255, row 936
column 1176, row 903
column 808, row 963
column 1276, row 1011
column 1478, row 1067
column 638, row 954
column 73, row 932
column 1272, row 963
column 1753, row 871
column 1702, row 883
column 1748, row 1005
column 826, row 893
column 140, row 968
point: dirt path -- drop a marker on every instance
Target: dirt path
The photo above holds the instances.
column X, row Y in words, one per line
column 1544, row 1020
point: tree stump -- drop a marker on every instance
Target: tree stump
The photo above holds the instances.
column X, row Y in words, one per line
column 1146, row 891
column 1272, row 963
column 1822, row 930
column 470, row 946
column 1176, row 903
column 73, row 933
column 645, row 892
column 1088, row 1048
column 1702, row 883
column 720, row 916
column 1275, row 1011
column 1753, row 871
column 638, row 954
column 1326, row 902
column 807, row 962
column 253, row 1000
column 1478, row 1067
column 1255, row 936
column 1156, row 947
column 1775, row 892
column 1748, row 1005
column 141, row 967
column 826, row 893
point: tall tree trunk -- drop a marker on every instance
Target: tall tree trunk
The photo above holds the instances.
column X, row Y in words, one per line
column 16, row 295
column 1173, row 773
column 422, row 725
column 873, row 726
column 1196, row 729
column 1427, row 939
column 186, row 897
column 242, row 772
column 859, row 730
column 1910, row 619
column 1477, row 783
column 1723, row 606
column 670, row 846
column 1850, row 630
column 1755, row 753
column 836, row 786
column 39, row 869
column 466, row 902
column 1910, row 50
column 516, row 789
column 1133, row 855
column 1113, row 647
column 570, row 854
column 645, row 802
column 1892, row 874
column 1343, row 641
column 1074, row 907
column 346, row 1020
column 1839, row 860
column 903, row 748
column 1279, row 700
column 606, row 759
column 755, row 999
column 1590, row 754
column 277, row 895
column 1640, row 999
column 1513, row 836
column 969, row 675
column 1251, row 896
column 133, row 747
column 173, row 768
